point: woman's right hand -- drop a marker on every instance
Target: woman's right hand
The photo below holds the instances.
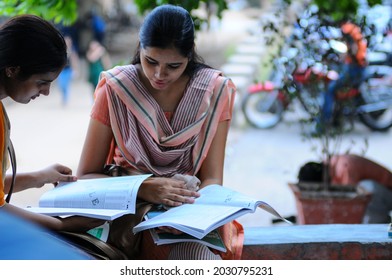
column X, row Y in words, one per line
column 166, row 191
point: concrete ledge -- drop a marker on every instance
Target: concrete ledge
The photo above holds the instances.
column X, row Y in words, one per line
column 318, row 242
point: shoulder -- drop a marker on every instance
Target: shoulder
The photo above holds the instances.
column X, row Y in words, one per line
column 216, row 76
column 120, row 74
column 118, row 70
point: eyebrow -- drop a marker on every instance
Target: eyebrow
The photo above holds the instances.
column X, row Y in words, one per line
column 45, row 80
column 171, row 63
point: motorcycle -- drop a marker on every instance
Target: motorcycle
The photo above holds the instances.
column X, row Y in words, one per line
column 370, row 100
column 264, row 103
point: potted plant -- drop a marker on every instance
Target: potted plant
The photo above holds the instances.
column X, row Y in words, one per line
column 321, row 202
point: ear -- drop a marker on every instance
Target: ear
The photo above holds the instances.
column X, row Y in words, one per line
column 12, row 71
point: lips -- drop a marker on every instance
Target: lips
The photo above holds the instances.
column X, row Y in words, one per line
column 159, row 83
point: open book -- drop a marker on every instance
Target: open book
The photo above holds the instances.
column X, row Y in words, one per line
column 212, row 239
column 101, row 198
column 215, row 207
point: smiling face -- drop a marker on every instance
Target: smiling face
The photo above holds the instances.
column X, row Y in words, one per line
column 162, row 67
column 26, row 90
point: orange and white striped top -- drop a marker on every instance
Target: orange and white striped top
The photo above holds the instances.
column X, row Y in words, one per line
column 146, row 140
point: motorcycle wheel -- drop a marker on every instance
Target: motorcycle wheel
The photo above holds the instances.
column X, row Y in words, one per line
column 380, row 98
column 263, row 109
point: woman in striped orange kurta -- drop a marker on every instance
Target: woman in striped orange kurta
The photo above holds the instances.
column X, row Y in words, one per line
column 167, row 113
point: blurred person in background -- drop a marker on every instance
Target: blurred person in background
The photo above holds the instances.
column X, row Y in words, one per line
column 70, row 71
column 98, row 60
column 354, row 65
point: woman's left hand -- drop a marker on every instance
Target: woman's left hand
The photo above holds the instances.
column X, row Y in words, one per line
column 167, row 191
column 57, row 173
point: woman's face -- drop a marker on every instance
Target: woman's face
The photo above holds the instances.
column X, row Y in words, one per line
column 33, row 87
column 162, row 67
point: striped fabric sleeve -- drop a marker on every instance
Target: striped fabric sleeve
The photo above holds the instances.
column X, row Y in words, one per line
column 227, row 112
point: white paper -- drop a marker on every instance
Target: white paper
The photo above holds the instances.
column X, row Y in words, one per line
column 215, row 207
column 101, row 198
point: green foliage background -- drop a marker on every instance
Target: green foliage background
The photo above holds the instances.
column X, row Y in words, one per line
column 58, row 11
column 339, row 10
column 145, row 6
column 66, row 11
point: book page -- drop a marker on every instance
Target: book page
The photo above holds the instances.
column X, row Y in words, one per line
column 218, row 195
column 100, row 193
column 194, row 219
column 212, row 239
column 215, row 207
column 103, row 214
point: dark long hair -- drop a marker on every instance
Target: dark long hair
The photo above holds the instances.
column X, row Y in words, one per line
column 33, row 44
column 170, row 26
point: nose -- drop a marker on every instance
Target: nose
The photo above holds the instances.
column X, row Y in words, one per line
column 45, row 91
column 160, row 72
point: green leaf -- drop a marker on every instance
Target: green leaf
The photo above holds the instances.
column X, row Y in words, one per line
column 52, row 10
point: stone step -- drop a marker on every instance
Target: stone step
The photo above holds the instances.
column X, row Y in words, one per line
column 245, row 59
column 255, row 49
column 234, row 69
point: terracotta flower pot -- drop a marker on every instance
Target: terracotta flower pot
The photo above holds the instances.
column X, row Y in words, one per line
column 338, row 205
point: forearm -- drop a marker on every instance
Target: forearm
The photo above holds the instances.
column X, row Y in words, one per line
column 42, row 220
column 24, row 181
column 71, row 223
column 92, row 176
column 211, row 171
column 210, row 181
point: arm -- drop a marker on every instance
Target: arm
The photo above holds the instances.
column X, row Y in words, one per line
column 52, row 174
column 156, row 190
column 94, row 153
column 73, row 223
column 211, row 171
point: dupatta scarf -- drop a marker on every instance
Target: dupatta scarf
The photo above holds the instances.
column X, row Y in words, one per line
column 148, row 141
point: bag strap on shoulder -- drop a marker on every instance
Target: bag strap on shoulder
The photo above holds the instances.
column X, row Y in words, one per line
column 11, row 151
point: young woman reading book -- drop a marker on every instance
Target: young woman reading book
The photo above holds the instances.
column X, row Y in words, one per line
column 167, row 113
